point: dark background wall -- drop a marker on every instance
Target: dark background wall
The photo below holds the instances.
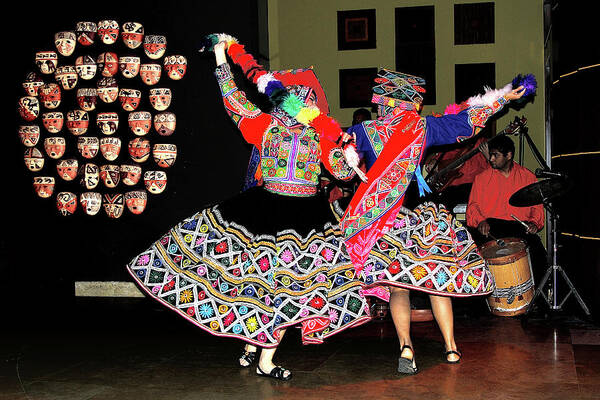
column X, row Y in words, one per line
column 42, row 253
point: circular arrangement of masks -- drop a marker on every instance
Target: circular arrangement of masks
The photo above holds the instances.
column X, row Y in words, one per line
column 98, row 90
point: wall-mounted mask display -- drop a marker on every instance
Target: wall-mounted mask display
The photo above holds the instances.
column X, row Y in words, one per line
column 32, row 83
column 176, row 66
column 87, row 98
column 65, row 42
column 132, row 34
column 136, row 201
column 53, row 121
column 44, row 186
column 108, row 63
column 86, row 67
column 108, row 89
column 155, row 46
column 164, row 154
column 139, row 149
column 107, row 122
column 55, row 146
column 90, row 176
column 140, row 122
column 29, row 135
column 109, row 174
column 28, row 107
column 110, row 147
column 108, row 31
column 150, row 73
column 50, row 95
column 67, row 169
column 164, row 123
column 67, row 76
column 78, row 122
column 34, row 160
column 91, row 202
column 88, row 146
column 113, row 205
column 46, row 61
column 155, row 181
column 86, row 32
column 129, row 99
column 66, row 203
column 130, row 174
column 129, row 66
column 160, row 98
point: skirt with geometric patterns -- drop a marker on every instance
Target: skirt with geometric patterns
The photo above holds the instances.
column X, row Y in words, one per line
column 254, row 265
column 430, row 251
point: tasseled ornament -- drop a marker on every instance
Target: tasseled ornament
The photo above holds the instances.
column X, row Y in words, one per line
column 528, row 82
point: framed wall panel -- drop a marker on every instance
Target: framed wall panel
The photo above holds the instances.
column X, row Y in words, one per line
column 356, row 87
column 356, row 29
column 474, row 23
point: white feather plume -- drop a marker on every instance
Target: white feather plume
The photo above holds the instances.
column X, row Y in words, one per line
column 263, row 80
column 489, row 97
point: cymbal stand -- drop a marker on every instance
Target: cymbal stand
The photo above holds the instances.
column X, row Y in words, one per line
column 552, row 297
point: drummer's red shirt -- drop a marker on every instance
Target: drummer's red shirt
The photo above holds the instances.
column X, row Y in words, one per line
column 491, row 191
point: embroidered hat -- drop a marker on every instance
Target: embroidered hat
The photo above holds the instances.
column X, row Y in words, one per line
column 397, row 89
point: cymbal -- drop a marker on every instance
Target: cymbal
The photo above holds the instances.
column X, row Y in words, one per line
column 538, row 192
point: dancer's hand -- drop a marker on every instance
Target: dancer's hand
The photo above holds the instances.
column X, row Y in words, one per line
column 515, row 94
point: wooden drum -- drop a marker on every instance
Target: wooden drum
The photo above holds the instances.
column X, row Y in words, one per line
column 510, row 266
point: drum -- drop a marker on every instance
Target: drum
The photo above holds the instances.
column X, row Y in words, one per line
column 510, row 266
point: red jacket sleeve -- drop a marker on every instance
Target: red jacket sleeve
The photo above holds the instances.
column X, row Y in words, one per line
column 476, row 200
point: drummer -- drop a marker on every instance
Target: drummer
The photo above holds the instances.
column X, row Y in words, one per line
column 489, row 215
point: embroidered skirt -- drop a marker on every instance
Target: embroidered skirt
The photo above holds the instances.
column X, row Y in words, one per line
column 253, row 265
column 430, row 251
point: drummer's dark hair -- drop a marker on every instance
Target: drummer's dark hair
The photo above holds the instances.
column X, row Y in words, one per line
column 503, row 144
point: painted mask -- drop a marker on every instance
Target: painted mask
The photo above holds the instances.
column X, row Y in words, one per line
column 130, row 174
column 110, row 175
column 86, row 67
column 107, row 122
column 164, row 154
column 176, row 66
column 29, row 135
column 34, row 160
column 53, row 121
column 113, row 205
column 150, row 73
column 78, row 122
column 160, row 98
column 108, row 31
column 88, row 146
column 129, row 66
column 32, row 83
column 155, row 181
column 65, row 42
column 50, row 95
column 139, row 149
column 155, row 46
column 86, row 32
column 67, row 169
column 132, row 34
column 164, row 123
column 136, row 201
column 28, row 107
column 90, row 202
column 139, row 122
column 67, row 76
column 108, row 89
column 66, row 203
column 44, row 186
column 55, row 146
column 90, row 176
column 110, row 147
column 87, row 98
column 108, row 63
column 46, row 61
column 130, row 99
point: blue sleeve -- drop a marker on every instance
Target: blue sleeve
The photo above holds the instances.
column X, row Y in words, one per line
column 363, row 144
column 447, row 129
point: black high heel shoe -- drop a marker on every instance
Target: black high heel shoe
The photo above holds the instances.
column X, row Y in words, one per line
column 450, row 352
column 247, row 359
column 407, row 365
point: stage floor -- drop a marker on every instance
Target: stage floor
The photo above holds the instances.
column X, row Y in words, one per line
column 125, row 349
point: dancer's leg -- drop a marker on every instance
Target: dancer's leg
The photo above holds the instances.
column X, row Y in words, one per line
column 400, row 308
column 442, row 311
column 265, row 363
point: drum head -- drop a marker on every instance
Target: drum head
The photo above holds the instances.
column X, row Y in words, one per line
column 492, row 249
